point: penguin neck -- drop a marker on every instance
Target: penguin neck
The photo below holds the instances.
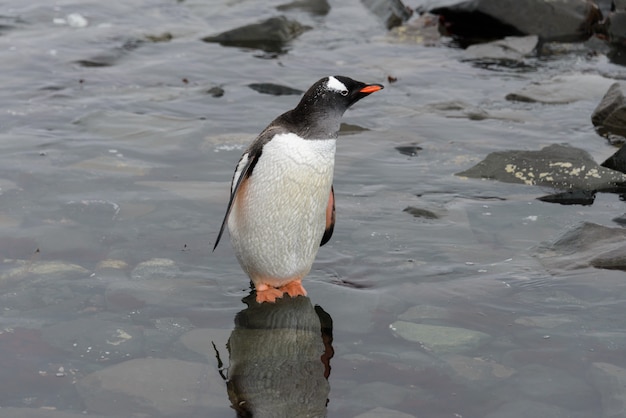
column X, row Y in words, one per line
column 314, row 123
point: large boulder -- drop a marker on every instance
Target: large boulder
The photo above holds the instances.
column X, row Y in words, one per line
column 550, row 20
column 609, row 117
column 560, row 166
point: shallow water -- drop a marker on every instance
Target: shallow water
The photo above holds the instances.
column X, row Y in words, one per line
column 115, row 162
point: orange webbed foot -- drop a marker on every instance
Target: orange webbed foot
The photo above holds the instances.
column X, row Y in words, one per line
column 265, row 293
column 293, row 289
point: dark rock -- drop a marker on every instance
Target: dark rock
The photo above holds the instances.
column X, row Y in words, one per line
column 420, row 213
column 350, row 129
column 410, row 150
column 616, row 28
column 164, row 37
column 610, row 114
column 617, row 161
column 274, row 89
column 271, row 35
column 559, row 166
column 111, row 57
column 392, row 12
column 563, row 21
column 315, row 7
column 586, row 245
column 620, row 220
column 216, row 91
column 572, row 197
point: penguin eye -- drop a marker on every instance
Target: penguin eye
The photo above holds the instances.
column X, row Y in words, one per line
column 344, row 92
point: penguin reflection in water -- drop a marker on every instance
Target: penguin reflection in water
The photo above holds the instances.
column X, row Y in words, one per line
column 282, row 204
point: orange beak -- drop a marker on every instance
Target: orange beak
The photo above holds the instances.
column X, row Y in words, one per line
column 371, row 88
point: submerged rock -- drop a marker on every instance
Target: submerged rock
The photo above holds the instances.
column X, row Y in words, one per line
column 610, row 381
column 609, row 117
column 563, row 89
column 152, row 387
column 271, row 35
column 274, row 89
column 439, row 338
column 562, row 21
column 559, row 166
column 420, row 213
column 392, row 12
column 586, row 245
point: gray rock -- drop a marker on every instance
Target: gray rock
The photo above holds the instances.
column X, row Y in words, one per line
column 616, row 28
column 610, row 114
column 440, row 338
column 271, row 35
column 586, row 245
column 561, row 21
column 392, row 12
column 559, row 166
column 315, row 7
column 511, row 48
column 610, row 381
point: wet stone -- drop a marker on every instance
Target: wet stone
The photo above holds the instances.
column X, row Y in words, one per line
column 588, row 244
column 271, row 35
column 154, row 387
column 610, row 381
column 559, row 166
column 512, row 48
column 96, row 340
column 440, row 339
column 91, row 212
column 572, row 197
column 550, row 385
column 156, row 268
column 475, row 368
column 315, row 7
column 617, row 161
column 420, row 213
column 410, row 150
column 610, row 114
column 50, row 270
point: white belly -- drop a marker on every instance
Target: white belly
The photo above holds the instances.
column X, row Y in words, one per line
column 277, row 226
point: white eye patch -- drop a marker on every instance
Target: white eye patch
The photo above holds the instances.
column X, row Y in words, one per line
column 336, row 85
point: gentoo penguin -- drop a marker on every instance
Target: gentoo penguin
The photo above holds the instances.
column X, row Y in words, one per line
column 282, row 204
